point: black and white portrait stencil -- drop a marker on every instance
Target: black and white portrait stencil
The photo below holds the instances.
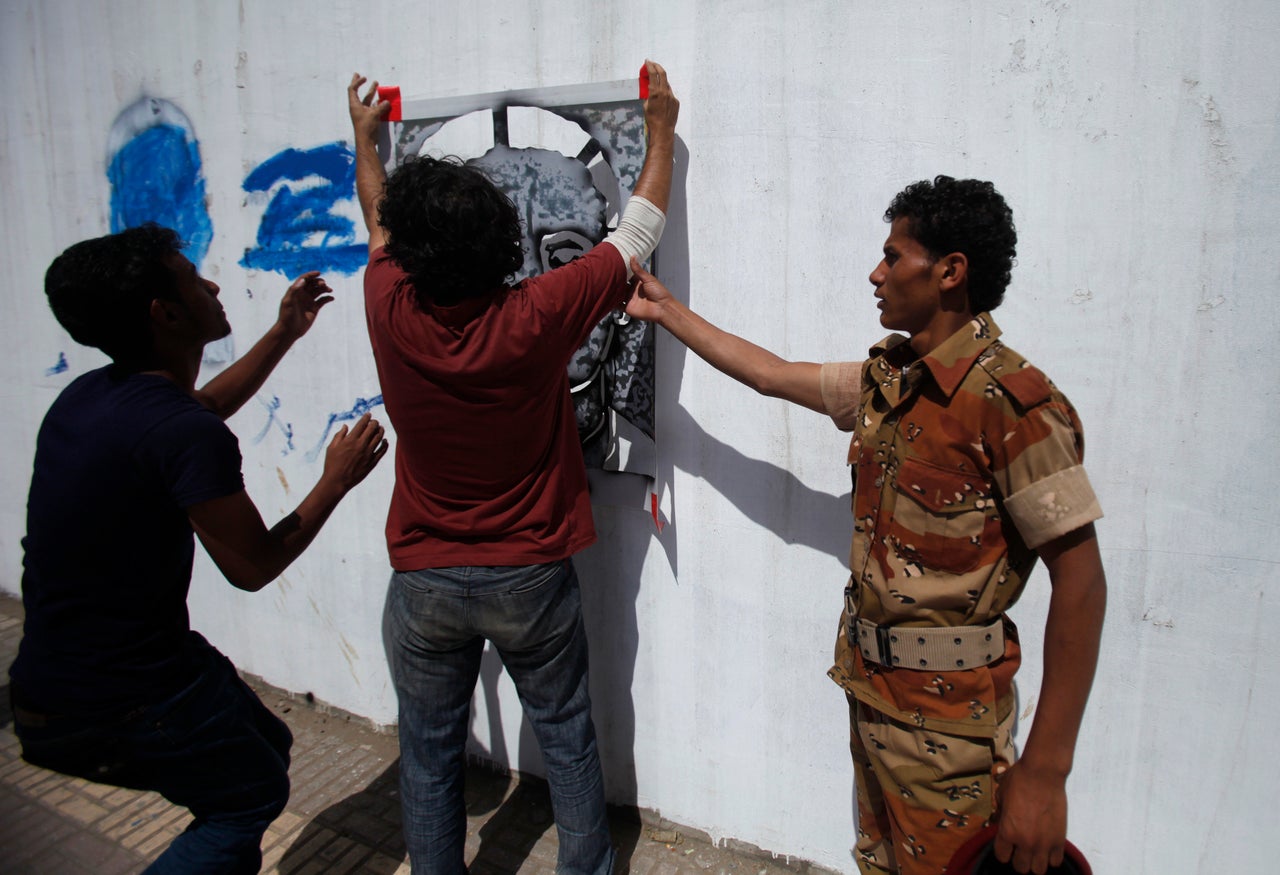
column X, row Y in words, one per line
column 568, row 158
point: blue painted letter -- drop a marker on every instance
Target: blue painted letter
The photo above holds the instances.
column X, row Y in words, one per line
column 298, row 232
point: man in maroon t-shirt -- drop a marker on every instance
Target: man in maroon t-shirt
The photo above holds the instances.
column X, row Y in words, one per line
column 490, row 499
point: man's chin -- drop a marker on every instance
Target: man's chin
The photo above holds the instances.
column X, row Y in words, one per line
column 221, row 333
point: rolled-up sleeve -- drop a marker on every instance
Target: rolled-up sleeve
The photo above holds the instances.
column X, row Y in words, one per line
column 1054, row 506
column 1043, row 475
column 841, row 385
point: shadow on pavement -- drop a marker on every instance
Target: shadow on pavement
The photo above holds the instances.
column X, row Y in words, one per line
column 514, row 815
column 370, row 819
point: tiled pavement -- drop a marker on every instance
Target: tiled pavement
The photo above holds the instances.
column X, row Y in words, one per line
column 342, row 817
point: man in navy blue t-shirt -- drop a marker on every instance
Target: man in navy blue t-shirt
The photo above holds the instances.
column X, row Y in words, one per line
column 111, row 683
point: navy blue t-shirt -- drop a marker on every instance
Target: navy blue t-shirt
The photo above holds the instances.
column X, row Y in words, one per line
column 108, row 551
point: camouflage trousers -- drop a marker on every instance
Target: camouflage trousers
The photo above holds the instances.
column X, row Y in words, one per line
column 921, row 794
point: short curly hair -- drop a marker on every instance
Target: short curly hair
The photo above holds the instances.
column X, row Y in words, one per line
column 101, row 290
column 450, row 229
column 968, row 216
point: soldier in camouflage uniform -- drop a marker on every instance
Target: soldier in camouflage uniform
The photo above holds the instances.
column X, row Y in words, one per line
column 967, row 467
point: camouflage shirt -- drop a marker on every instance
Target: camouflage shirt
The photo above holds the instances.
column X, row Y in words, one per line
column 964, row 462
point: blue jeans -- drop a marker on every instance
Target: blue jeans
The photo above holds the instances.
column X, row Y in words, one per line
column 434, row 627
column 213, row 748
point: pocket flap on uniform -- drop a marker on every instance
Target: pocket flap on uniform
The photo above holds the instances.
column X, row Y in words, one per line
column 937, row 489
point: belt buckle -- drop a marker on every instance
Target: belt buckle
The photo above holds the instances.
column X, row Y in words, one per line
column 884, row 645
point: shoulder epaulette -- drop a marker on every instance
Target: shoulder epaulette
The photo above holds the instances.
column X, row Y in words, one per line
column 1028, row 385
column 1023, row 381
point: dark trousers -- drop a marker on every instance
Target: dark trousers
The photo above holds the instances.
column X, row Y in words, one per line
column 213, row 748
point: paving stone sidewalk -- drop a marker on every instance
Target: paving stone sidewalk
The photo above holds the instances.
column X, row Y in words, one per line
column 343, row 816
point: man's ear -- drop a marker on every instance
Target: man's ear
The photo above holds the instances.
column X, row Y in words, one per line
column 164, row 313
column 954, row 271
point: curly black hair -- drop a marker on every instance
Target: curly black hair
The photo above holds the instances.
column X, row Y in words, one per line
column 101, row 290
column 968, row 216
column 450, row 229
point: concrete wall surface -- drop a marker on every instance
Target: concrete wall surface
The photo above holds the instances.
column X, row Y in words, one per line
column 1138, row 145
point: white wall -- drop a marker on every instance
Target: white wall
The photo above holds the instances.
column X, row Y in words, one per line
column 1138, row 145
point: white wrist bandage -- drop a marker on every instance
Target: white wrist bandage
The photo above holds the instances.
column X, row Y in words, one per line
column 638, row 231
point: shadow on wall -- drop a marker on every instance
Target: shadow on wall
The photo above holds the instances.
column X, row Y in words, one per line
column 611, row 573
column 772, row 497
column 611, row 570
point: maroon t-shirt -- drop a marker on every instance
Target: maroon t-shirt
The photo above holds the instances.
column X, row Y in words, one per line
column 488, row 466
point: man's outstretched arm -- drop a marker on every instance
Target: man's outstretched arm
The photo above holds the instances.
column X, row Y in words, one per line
column 367, row 113
column 661, row 110
column 248, row 553
column 645, row 216
column 768, row 374
column 227, row 392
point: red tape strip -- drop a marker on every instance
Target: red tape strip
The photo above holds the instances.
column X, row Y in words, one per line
column 390, row 94
column 644, row 82
column 653, row 508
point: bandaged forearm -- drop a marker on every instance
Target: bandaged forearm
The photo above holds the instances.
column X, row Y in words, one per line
column 638, row 232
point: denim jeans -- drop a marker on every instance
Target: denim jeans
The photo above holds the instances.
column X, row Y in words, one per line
column 434, row 627
column 213, row 748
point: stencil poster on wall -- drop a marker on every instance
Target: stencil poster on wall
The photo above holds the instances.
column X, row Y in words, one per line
column 568, row 157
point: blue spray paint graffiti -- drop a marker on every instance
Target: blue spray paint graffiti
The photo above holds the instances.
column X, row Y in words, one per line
column 298, row 231
column 59, row 368
column 156, row 175
column 359, row 409
column 286, row 428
